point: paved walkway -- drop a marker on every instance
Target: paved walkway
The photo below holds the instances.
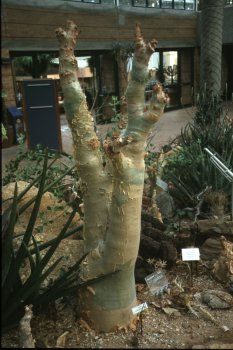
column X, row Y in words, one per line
column 165, row 130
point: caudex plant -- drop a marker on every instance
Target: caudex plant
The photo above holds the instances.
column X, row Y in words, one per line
column 112, row 175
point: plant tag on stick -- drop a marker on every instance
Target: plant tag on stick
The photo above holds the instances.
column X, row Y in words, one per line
column 162, row 184
column 139, row 308
column 157, row 282
column 190, row 254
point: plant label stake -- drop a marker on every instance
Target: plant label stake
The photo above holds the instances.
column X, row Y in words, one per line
column 138, row 310
column 190, row 255
column 157, row 282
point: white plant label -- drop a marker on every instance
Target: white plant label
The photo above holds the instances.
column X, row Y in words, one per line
column 190, row 254
column 157, row 282
column 139, row 308
column 162, row 184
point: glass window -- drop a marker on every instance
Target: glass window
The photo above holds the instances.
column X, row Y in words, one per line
column 154, row 3
column 152, row 65
column 190, row 5
column 179, row 5
column 166, row 4
column 125, row 2
column 170, row 59
column 95, row 1
column 154, row 61
column 141, row 3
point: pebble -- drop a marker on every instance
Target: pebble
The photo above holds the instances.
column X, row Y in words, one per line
column 185, row 325
column 225, row 328
column 160, row 331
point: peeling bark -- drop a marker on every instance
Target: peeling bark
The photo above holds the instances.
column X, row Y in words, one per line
column 113, row 193
column 25, row 335
column 95, row 180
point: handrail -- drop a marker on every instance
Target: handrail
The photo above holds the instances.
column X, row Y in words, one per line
column 215, row 159
column 225, row 171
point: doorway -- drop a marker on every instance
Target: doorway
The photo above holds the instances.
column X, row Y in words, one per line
column 163, row 67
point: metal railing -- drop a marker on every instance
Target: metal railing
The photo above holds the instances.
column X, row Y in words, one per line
column 162, row 4
column 87, row 1
column 224, row 170
column 166, row 4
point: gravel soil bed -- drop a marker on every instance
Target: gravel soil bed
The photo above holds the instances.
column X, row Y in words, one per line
column 166, row 324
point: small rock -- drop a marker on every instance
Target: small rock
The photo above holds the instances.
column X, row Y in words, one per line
column 160, row 331
column 213, row 346
column 211, row 249
column 165, row 204
column 217, row 299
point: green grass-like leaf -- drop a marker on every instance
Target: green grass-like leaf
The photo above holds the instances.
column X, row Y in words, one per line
column 7, row 252
column 37, row 288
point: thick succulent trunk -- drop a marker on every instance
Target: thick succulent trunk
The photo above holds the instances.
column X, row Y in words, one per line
column 95, row 181
column 113, row 194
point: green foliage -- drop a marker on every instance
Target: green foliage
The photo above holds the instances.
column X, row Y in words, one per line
column 16, row 293
column 28, row 164
column 160, row 72
column 190, row 169
column 115, row 104
column 209, row 108
column 124, row 50
column 35, row 65
column 4, row 132
column 37, row 288
column 4, row 116
column 118, row 119
column 152, row 164
column 171, row 72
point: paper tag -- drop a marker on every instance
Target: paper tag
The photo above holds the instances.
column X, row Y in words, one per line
column 162, row 184
column 139, row 308
column 190, row 254
column 157, row 282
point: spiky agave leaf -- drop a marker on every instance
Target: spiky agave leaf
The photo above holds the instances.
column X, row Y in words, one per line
column 17, row 293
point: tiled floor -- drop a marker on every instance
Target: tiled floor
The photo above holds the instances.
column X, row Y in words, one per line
column 166, row 129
